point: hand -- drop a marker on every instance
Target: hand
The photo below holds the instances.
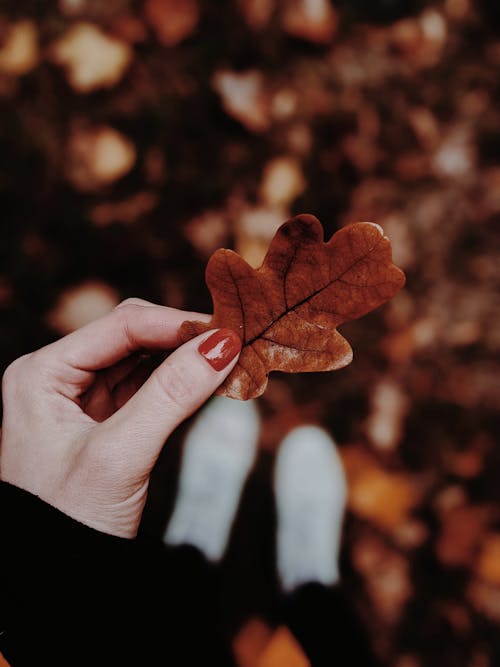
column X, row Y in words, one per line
column 86, row 417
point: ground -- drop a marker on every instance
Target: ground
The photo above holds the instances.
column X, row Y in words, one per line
column 137, row 137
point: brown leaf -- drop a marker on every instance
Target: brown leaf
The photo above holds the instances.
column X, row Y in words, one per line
column 382, row 497
column 312, row 20
column 286, row 312
column 282, row 650
column 98, row 155
column 243, row 96
column 19, row 53
column 172, row 20
column 91, row 58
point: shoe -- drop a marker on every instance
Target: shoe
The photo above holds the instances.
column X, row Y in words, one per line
column 219, row 452
column 310, row 490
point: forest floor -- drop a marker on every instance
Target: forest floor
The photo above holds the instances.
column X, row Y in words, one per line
column 136, row 138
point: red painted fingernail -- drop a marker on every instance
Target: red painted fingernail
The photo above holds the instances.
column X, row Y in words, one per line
column 220, row 348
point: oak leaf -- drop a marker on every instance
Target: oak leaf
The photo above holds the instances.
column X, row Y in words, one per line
column 286, row 312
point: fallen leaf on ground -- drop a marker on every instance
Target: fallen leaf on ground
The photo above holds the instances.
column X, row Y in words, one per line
column 286, row 312
column 251, row 641
column 243, row 97
column 387, row 577
column 385, row 498
column 19, row 52
column 462, row 531
column 389, row 406
column 485, row 599
column 172, row 20
column 98, row 156
column 91, row 58
column 80, row 304
column 282, row 182
column 488, row 564
column 126, row 211
column 283, row 650
column 312, row 20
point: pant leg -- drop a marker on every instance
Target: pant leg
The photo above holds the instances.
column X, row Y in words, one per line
column 194, row 627
column 327, row 627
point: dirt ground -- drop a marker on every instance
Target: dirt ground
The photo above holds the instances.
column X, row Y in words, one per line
column 138, row 137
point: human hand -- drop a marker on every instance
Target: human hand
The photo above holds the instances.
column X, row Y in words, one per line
column 86, row 417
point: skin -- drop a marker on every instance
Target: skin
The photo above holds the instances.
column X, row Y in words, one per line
column 86, row 417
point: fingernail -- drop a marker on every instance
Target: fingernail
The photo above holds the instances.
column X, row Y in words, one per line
column 220, row 348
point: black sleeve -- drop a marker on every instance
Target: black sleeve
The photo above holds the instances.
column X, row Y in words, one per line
column 71, row 595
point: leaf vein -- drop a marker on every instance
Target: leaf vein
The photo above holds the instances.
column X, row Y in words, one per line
column 316, row 292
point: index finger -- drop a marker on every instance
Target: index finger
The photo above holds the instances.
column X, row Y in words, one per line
column 131, row 326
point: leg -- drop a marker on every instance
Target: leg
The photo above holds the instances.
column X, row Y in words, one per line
column 310, row 500
column 326, row 626
column 218, row 453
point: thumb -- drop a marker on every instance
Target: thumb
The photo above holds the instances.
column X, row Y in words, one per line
column 185, row 380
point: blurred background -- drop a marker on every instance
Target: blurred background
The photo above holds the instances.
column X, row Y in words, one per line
column 138, row 137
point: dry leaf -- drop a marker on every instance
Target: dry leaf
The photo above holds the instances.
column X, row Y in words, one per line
column 19, row 52
column 250, row 641
column 172, row 20
column 389, row 406
column 383, row 497
column 282, row 181
column 257, row 13
column 485, row 598
column 387, row 577
column 286, row 312
column 207, row 231
column 284, row 103
column 243, row 97
column 81, row 304
column 312, row 20
column 98, row 156
column 91, row 58
column 129, row 28
column 488, row 564
column 283, row 650
column 126, row 211
column 455, row 156
column 462, row 530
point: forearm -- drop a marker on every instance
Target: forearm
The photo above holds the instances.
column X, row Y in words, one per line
column 70, row 592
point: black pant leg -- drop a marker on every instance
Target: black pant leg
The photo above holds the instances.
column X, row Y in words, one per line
column 327, row 627
column 192, row 609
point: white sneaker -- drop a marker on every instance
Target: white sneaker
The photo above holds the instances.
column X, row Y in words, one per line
column 219, row 451
column 311, row 490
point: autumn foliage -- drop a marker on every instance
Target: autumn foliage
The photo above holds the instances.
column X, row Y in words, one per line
column 286, row 312
column 137, row 138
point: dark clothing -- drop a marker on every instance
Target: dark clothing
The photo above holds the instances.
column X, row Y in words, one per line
column 71, row 595
column 327, row 627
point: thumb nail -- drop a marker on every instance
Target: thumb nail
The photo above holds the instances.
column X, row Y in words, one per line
column 220, row 348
